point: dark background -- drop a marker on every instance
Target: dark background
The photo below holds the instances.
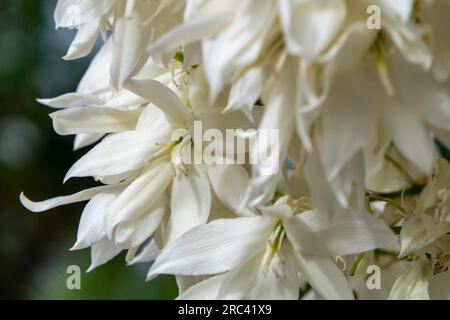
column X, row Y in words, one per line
column 34, row 252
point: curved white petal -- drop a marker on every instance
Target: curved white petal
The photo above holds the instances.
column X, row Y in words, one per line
column 147, row 253
column 58, row 201
column 350, row 233
column 215, row 247
column 102, row 252
column 91, row 228
column 411, row 137
column 84, row 40
column 162, row 97
column 118, row 153
column 70, row 100
column 84, row 140
column 94, row 120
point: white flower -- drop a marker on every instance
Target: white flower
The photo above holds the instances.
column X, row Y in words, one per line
column 96, row 108
column 340, row 77
column 356, row 113
column 142, row 164
column 133, row 23
column 412, row 285
column 267, row 256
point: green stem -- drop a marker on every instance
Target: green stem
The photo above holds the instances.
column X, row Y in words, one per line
column 356, row 263
column 391, row 202
column 400, row 168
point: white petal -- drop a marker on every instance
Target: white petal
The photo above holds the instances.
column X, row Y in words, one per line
column 246, row 91
column 118, row 153
column 162, row 97
column 141, row 195
column 231, row 194
column 415, row 235
column 91, row 228
column 132, row 233
column 70, row 100
column 343, row 116
column 198, row 92
column 72, row 13
column 58, row 201
column 411, row 137
column 94, row 120
column 205, row 290
column 249, row 283
column 420, row 93
column 96, row 79
column 192, row 30
column 130, row 37
column 321, row 193
column 350, row 233
column 353, row 233
column 102, row 252
column 147, row 253
column 190, row 202
column 124, row 100
column 215, row 247
column 399, row 8
column 220, row 59
column 325, row 277
column 84, row 40
column 84, row 140
column 275, row 133
column 412, row 285
column 300, row 19
column 152, row 120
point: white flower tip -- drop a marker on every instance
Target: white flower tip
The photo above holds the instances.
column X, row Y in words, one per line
column 43, row 101
column 77, row 145
column 77, row 246
column 28, row 204
column 72, row 55
column 151, row 275
column 66, row 178
column 91, row 267
column 70, row 174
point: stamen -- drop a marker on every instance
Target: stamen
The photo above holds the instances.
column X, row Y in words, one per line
column 167, row 150
column 382, row 68
column 273, row 248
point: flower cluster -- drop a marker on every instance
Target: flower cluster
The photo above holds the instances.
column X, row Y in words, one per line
column 356, row 183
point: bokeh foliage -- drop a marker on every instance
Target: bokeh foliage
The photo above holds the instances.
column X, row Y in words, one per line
column 34, row 247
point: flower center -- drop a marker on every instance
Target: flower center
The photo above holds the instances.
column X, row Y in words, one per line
column 273, row 247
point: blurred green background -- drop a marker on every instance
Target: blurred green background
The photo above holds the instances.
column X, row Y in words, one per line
column 34, row 252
